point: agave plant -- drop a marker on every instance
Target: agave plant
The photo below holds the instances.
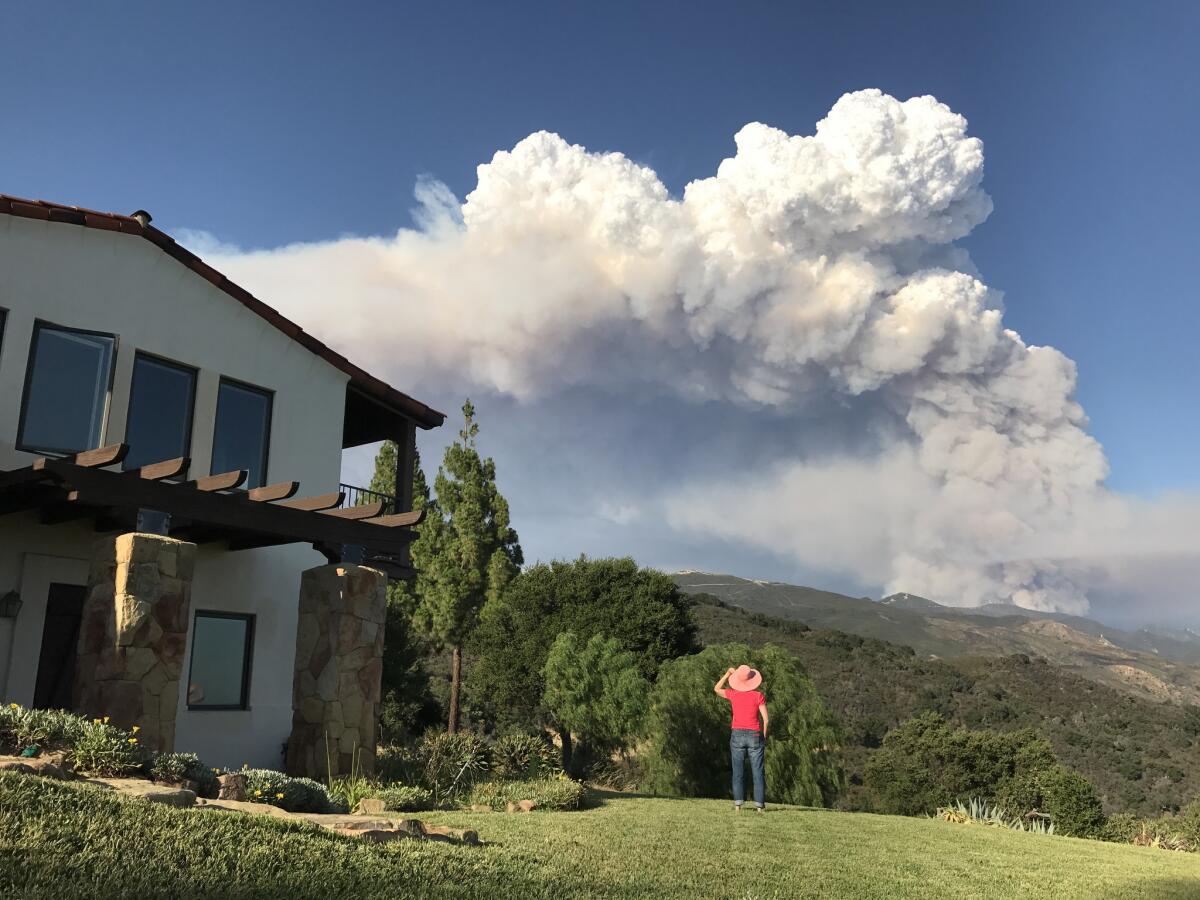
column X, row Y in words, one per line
column 980, row 812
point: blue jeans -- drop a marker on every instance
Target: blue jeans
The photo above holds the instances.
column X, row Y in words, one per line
column 741, row 741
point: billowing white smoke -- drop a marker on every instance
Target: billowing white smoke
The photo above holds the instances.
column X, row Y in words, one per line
column 807, row 267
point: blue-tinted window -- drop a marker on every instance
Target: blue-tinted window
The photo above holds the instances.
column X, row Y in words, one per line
column 219, row 677
column 243, row 432
column 160, row 411
column 66, row 389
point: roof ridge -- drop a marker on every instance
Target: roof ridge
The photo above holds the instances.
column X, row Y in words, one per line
column 44, row 210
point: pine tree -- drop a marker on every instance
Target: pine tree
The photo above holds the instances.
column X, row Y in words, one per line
column 467, row 551
column 407, row 704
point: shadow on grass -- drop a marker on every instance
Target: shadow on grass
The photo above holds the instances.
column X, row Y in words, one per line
column 1158, row 889
column 596, row 798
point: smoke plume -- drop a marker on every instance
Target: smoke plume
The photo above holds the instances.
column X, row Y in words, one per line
column 810, row 288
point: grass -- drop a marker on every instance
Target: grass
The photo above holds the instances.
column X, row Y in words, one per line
column 66, row 841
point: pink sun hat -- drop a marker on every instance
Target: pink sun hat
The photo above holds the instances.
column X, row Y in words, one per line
column 745, row 679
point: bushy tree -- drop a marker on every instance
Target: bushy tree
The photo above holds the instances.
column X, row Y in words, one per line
column 1066, row 796
column 467, row 551
column 594, row 692
column 925, row 764
column 641, row 609
column 686, row 752
column 408, row 706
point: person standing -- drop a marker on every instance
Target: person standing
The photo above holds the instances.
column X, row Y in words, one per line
column 746, row 735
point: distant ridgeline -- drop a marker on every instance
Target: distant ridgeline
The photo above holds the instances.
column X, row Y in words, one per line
column 1119, row 707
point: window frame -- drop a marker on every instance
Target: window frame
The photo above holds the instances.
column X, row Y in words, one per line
column 170, row 364
column 38, row 325
column 267, row 425
column 3, row 327
column 247, row 661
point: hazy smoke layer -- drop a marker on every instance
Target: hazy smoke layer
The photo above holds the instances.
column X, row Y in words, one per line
column 808, row 267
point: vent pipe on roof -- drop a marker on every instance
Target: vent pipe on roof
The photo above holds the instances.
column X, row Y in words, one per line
column 143, row 217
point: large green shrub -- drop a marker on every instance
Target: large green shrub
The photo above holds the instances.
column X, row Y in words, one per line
column 449, row 764
column 176, row 767
column 521, row 756
column 401, row 798
column 925, row 764
column 642, row 609
column 687, row 733
column 1071, row 802
column 547, row 793
column 292, row 794
column 594, row 693
column 45, row 728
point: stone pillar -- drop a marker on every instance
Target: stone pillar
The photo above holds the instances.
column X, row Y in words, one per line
column 338, row 670
column 133, row 633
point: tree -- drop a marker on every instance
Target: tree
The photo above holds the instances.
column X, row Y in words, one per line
column 594, row 692
column 408, row 705
column 641, row 609
column 467, row 551
column 925, row 764
column 687, row 729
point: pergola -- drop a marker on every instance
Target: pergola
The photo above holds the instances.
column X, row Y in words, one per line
column 155, row 500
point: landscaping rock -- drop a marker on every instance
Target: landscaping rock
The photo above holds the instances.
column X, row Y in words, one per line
column 149, row 791
column 527, row 805
column 370, row 806
column 34, row 765
column 232, row 787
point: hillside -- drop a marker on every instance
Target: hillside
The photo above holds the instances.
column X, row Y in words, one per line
column 1142, row 755
column 1146, row 664
column 61, row 842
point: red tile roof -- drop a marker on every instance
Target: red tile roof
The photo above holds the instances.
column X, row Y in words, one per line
column 423, row 415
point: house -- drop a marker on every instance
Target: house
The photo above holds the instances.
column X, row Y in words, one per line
column 176, row 551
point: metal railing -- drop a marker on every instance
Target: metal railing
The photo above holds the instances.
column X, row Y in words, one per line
column 360, row 496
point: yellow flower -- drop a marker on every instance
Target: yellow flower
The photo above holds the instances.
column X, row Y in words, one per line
column 133, row 740
column 258, row 793
column 106, row 720
column 279, row 796
column 136, row 728
column 14, row 706
column 95, row 721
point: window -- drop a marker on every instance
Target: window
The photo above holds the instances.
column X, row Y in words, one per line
column 160, row 411
column 66, row 389
column 243, row 431
column 220, row 672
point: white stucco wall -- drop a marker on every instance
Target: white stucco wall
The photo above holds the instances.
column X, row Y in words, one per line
column 85, row 278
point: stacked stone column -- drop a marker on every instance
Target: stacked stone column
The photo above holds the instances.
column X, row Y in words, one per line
column 133, row 633
column 338, row 670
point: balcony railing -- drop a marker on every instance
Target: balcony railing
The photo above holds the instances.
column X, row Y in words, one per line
column 360, row 496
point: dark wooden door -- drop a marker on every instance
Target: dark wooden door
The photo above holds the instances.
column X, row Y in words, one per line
column 60, row 635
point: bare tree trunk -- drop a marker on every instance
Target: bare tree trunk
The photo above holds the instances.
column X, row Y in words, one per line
column 455, row 683
column 566, row 749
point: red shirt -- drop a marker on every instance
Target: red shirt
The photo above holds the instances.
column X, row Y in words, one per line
column 745, row 708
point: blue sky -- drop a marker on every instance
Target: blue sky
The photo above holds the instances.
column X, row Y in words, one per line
column 269, row 123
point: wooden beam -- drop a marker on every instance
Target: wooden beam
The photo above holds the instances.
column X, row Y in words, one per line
column 223, row 482
column 110, row 489
column 281, row 491
column 104, row 456
column 89, row 459
column 168, row 468
column 366, row 511
column 317, row 503
column 416, row 517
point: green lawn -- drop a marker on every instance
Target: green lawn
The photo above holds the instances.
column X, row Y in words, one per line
column 62, row 841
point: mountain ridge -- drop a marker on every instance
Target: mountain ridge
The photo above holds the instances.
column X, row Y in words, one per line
column 1142, row 663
